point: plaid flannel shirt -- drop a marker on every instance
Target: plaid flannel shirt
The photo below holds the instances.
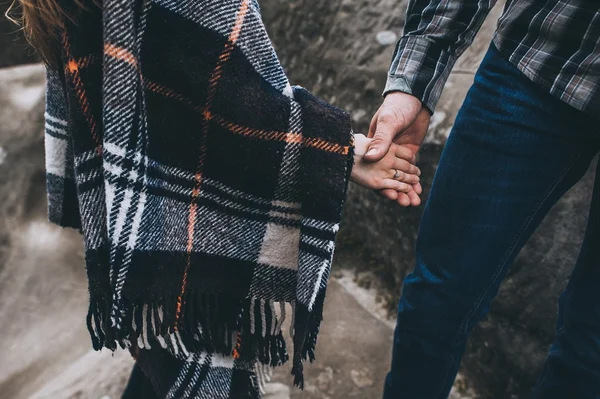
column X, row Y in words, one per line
column 554, row 43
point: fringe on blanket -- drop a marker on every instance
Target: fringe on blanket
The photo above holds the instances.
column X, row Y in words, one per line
column 256, row 334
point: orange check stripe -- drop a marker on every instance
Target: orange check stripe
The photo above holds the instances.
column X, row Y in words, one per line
column 257, row 133
column 288, row 137
column 120, row 53
column 326, row 146
column 212, row 86
column 169, row 93
column 238, row 345
column 72, row 70
column 84, row 62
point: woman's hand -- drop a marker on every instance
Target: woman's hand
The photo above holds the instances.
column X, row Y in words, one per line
column 395, row 170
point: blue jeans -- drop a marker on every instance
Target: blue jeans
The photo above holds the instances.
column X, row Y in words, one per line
column 513, row 152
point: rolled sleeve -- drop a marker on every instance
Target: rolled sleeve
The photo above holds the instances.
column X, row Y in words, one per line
column 420, row 68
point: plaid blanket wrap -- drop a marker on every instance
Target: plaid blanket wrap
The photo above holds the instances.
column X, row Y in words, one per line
column 207, row 189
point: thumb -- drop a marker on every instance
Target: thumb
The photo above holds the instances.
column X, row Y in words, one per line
column 382, row 139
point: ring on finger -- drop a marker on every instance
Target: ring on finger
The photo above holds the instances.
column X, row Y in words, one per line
column 396, row 174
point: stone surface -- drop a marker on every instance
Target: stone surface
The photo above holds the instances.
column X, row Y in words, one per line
column 331, row 48
column 386, row 37
column 353, row 352
column 46, row 350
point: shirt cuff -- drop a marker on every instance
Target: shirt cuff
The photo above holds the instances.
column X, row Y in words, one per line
column 420, row 67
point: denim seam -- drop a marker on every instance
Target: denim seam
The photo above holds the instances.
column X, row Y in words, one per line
column 577, row 272
column 442, row 386
column 573, row 279
column 544, row 375
column 502, row 266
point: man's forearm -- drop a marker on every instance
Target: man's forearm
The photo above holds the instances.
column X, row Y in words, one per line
column 436, row 33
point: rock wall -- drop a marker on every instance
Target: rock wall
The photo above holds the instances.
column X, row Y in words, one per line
column 341, row 49
column 46, row 351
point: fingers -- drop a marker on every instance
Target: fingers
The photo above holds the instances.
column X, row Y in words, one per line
column 404, row 177
column 415, row 200
column 409, row 198
column 389, row 194
column 407, row 172
column 418, row 189
column 403, row 152
column 397, row 113
column 386, row 128
column 396, row 185
column 361, row 144
column 373, row 126
column 403, row 199
column 401, row 193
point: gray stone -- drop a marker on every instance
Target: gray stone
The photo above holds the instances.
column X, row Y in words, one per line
column 386, row 37
column 352, row 355
column 276, row 390
column 2, row 155
column 331, row 48
column 46, row 350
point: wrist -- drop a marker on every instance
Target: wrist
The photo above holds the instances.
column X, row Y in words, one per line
column 361, row 144
column 404, row 98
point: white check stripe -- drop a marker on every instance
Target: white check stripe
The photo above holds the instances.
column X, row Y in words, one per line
column 137, row 221
column 56, row 120
column 56, row 155
column 51, row 128
column 115, row 149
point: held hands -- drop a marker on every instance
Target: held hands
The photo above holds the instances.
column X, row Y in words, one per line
column 402, row 120
column 394, row 172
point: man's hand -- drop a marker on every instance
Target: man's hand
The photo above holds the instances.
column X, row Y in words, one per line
column 401, row 119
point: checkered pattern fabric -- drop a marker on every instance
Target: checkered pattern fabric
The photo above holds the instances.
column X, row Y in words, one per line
column 207, row 189
column 202, row 375
column 554, row 43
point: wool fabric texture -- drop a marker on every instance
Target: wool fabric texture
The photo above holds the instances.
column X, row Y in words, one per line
column 207, row 189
